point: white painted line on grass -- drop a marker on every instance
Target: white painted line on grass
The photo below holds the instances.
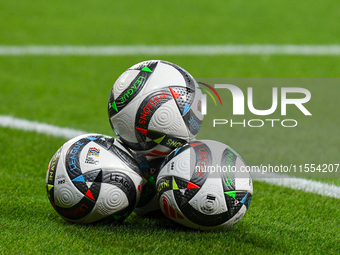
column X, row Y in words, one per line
column 42, row 128
column 125, row 50
column 306, row 185
column 272, row 178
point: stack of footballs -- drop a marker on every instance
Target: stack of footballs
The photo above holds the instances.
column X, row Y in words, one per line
column 155, row 110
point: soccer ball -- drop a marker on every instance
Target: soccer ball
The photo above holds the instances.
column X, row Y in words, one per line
column 93, row 177
column 155, row 107
column 203, row 185
column 148, row 202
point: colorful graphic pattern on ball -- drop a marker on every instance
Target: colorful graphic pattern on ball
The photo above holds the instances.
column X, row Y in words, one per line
column 150, row 169
column 133, row 89
column 148, row 138
column 94, row 177
column 184, row 190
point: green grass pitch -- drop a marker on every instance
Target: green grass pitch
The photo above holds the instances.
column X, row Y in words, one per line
column 72, row 91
